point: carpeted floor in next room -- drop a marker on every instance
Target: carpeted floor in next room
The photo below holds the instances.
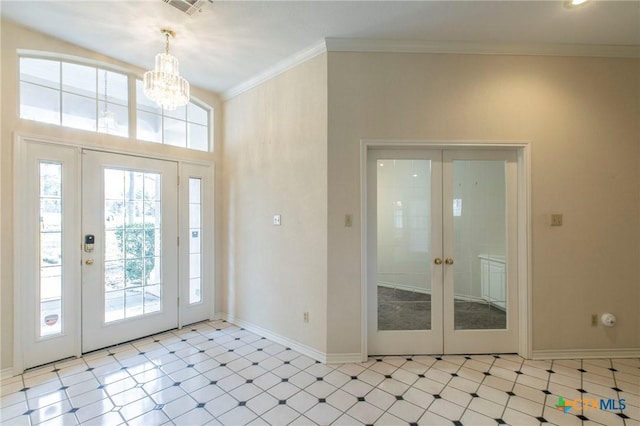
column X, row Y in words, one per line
column 408, row 310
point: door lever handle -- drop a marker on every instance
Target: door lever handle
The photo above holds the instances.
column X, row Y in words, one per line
column 437, row 261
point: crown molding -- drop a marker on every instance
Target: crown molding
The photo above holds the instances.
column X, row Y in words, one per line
column 415, row 46
column 293, row 61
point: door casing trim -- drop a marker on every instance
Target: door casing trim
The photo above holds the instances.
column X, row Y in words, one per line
column 523, row 150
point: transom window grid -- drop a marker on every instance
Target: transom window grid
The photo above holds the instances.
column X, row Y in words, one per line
column 96, row 99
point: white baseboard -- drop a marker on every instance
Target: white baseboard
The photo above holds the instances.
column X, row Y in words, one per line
column 348, row 358
column 585, row 353
column 5, row 373
column 277, row 338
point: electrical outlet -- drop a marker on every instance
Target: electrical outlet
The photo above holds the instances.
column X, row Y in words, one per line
column 594, row 320
column 276, row 220
column 556, row 219
column 305, row 317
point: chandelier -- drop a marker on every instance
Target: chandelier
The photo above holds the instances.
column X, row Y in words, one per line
column 164, row 85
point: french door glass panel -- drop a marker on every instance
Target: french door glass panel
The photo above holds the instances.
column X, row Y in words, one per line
column 479, row 233
column 130, row 284
column 404, row 232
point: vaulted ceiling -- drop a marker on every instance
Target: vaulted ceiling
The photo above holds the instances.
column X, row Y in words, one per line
column 228, row 42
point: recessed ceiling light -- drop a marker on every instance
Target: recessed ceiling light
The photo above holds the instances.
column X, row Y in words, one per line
column 574, row 3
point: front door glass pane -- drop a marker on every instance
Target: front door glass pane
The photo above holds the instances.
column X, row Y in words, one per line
column 479, row 232
column 132, row 243
column 403, row 244
column 195, row 240
column 50, row 248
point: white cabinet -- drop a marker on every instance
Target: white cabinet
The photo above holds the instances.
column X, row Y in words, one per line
column 493, row 279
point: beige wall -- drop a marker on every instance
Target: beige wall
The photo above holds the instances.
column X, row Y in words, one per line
column 581, row 117
column 16, row 37
column 275, row 162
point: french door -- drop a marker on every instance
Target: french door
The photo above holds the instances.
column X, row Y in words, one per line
column 130, row 248
column 441, row 251
column 112, row 248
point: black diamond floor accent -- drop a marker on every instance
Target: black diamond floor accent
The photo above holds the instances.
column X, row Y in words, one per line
column 321, row 400
column 190, row 366
column 421, row 376
column 486, row 373
column 55, row 370
column 176, row 384
column 64, row 387
column 437, row 396
column 617, row 389
column 439, row 358
column 89, row 369
column 409, row 359
column 581, row 370
column 467, row 357
column 399, row 397
column 230, row 350
column 387, row 376
column 581, row 390
column 223, row 365
column 500, row 421
column 287, row 362
column 184, row 340
column 73, row 410
column 454, row 375
column 519, row 372
column 413, row 424
column 201, row 351
column 287, row 349
column 319, row 379
column 26, row 413
column 378, row 359
column 354, row 377
column 622, row 415
column 200, row 405
column 285, row 380
column 213, row 382
column 282, row 402
column 242, row 403
column 546, row 392
column 259, row 349
column 541, row 419
column 457, row 423
column 496, row 356
column 361, row 398
column 100, row 387
column 612, row 369
column 511, row 393
column 158, row 407
column 583, row 418
column 317, row 362
column 249, row 381
column 124, row 368
column 551, row 371
column 474, row 395
column 172, row 352
column 255, row 363
column 237, row 338
column 156, row 341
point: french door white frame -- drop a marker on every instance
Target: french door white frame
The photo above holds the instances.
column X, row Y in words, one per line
column 204, row 170
column 523, row 150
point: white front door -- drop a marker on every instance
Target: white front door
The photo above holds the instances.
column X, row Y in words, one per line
column 130, row 248
column 98, row 258
column 441, row 251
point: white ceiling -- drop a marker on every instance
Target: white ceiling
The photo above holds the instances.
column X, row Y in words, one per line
column 229, row 42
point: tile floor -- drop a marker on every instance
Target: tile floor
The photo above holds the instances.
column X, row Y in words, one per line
column 217, row 373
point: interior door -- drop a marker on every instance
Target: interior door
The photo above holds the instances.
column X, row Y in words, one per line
column 130, row 248
column 441, row 262
column 404, row 237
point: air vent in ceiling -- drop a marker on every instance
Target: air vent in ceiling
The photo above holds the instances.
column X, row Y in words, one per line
column 187, row 6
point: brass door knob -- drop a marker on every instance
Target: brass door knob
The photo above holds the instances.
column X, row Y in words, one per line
column 89, row 261
column 448, row 261
column 437, row 261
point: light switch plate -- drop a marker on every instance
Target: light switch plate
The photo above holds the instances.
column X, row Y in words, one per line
column 276, row 219
column 556, row 219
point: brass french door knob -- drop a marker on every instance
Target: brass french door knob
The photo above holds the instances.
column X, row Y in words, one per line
column 448, row 261
column 437, row 261
column 89, row 261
